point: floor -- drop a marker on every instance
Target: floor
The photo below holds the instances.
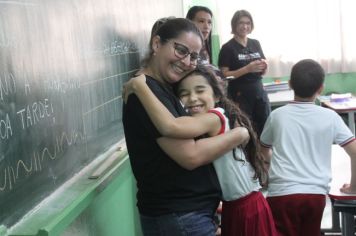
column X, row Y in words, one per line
column 326, row 221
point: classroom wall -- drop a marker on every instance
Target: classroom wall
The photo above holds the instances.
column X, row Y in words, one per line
column 334, row 83
column 340, row 83
column 112, row 212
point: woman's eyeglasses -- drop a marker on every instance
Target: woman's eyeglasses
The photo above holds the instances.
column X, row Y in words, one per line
column 181, row 51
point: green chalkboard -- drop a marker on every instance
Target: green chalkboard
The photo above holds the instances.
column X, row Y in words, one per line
column 62, row 66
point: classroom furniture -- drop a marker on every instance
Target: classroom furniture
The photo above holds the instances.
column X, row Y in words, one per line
column 280, row 98
column 342, row 203
column 348, row 212
column 345, row 107
column 276, row 86
column 279, row 93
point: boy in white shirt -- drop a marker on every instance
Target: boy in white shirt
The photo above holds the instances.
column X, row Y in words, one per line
column 301, row 135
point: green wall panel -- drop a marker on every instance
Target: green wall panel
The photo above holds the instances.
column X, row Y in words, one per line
column 334, row 83
column 113, row 212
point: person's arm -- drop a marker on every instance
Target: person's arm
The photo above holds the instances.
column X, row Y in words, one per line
column 264, row 71
column 351, row 151
column 191, row 154
column 267, row 156
column 164, row 121
column 257, row 66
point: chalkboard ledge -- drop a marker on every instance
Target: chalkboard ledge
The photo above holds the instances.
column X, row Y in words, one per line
column 54, row 214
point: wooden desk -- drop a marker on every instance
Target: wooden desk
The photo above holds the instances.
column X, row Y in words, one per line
column 280, row 98
column 341, row 202
column 348, row 107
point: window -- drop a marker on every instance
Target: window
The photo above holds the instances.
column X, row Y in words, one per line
column 289, row 31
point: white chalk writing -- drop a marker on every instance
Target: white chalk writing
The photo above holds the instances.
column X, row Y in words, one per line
column 32, row 114
column 7, row 85
column 5, row 127
column 62, row 142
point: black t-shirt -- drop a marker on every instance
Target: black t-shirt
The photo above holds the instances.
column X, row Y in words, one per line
column 235, row 56
column 164, row 186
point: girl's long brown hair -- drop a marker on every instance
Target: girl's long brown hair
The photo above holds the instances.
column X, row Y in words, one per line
column 236, row 118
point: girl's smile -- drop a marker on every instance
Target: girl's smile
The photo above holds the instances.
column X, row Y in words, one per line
column 196, row 94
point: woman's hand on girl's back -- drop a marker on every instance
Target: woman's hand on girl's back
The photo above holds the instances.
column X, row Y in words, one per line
column 244, row 136
column 130, row 86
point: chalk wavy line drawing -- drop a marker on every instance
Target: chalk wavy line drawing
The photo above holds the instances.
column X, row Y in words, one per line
column 35, row 163
column 27, row 169
column 37, row 157
column 65, row 136
column 35, row 160
column 73, row 138
column 46, row 150
column 2, row 188
column 13, row 176
column 78, row 135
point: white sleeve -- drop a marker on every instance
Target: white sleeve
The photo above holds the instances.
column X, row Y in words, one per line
column 267, row 133
column 342, row 133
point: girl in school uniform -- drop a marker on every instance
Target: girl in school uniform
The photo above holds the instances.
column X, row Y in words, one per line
column 173, row 196
column 241, row 172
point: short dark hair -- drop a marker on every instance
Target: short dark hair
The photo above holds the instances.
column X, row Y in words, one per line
column 158, row 24
column 306, row 78
column 237, row 16
column 195, row 9
column 173, row 28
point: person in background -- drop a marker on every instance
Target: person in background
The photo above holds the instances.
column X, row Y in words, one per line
column 242, row 60
column 300, row 163
column 178, row 190
column 202, row 17
column 241, row 172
